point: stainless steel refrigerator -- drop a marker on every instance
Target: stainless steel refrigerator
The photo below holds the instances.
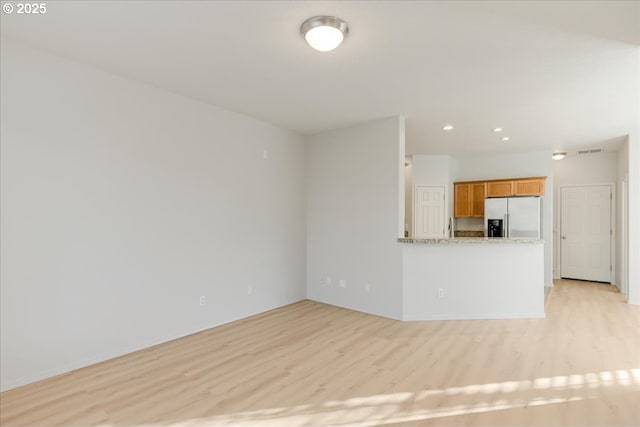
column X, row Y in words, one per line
column 513, row 217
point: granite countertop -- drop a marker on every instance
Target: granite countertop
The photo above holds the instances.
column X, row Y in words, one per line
column 461, row 240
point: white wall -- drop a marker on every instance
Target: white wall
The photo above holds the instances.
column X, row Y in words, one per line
column 431, row 169
column 514, row 165
column 622, row 222
column 633, row 150
column 122, row 204
column 355, row 204
column 586, row 169
column 515, row 290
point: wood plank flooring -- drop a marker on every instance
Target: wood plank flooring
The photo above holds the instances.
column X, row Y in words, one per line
column 310, row 364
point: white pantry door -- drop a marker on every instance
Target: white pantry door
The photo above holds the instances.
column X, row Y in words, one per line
column 585, row 239
column 429, row 212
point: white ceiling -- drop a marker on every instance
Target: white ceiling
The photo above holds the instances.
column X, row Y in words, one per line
column 560, row 75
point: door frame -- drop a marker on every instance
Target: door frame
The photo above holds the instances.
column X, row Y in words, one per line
column 414, row 206
column 623, row 280
column 612, row 220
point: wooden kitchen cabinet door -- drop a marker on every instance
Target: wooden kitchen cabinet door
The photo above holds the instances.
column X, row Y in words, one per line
column 461, row 199
column 478, row 194
column 499, row 188
column 529, row 187
column 468, row 199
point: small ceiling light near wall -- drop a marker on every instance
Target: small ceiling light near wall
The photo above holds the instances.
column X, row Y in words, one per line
column 447, row 127
column 498, row 129
column 505, row 139
column 324, row 33
column 559, row 155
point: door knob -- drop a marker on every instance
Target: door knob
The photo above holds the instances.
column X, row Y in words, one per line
column 564, row 238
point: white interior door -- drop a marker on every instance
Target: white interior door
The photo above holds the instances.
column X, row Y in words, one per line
column 585, row 240
column 429, row 212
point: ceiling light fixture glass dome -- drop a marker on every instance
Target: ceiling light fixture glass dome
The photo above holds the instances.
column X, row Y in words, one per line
column 324, row 33
column 559, row 155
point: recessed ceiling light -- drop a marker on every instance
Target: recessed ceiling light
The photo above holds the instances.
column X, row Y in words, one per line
column 559, row 155
column 447, row 127
column 324, row 33
column 498, row 129
column 505, row 139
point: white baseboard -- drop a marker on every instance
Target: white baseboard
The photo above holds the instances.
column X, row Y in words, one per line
column 358, row 309
column 82, row 363
column 97, row 358
column 488, row 316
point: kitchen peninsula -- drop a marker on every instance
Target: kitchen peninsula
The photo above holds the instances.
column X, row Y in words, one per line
column 472, row 278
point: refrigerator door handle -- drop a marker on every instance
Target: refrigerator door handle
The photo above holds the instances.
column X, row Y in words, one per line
column 505, row 232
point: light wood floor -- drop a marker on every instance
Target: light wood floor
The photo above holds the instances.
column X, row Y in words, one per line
column 310, row 364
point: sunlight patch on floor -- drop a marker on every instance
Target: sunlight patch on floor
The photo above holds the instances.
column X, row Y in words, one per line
column 401, row 407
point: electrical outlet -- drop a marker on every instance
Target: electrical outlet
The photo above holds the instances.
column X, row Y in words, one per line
column 203, row 300
column 367, row 287
column 249, row 289
column 265, row 154
column 440, row 293
column 343, row 283
column 328, row 280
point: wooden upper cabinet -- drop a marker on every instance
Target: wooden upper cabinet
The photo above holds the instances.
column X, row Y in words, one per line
column 468, row 199
column 461, row 206
column 516, row 187
column 478, row 194
column 528, row 187
column 499, row 188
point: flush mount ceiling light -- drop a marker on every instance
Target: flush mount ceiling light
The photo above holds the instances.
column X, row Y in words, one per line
column 505, row 139
column 559, row 155
column 498, row 129
column 447, row 127
column 324, row 33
